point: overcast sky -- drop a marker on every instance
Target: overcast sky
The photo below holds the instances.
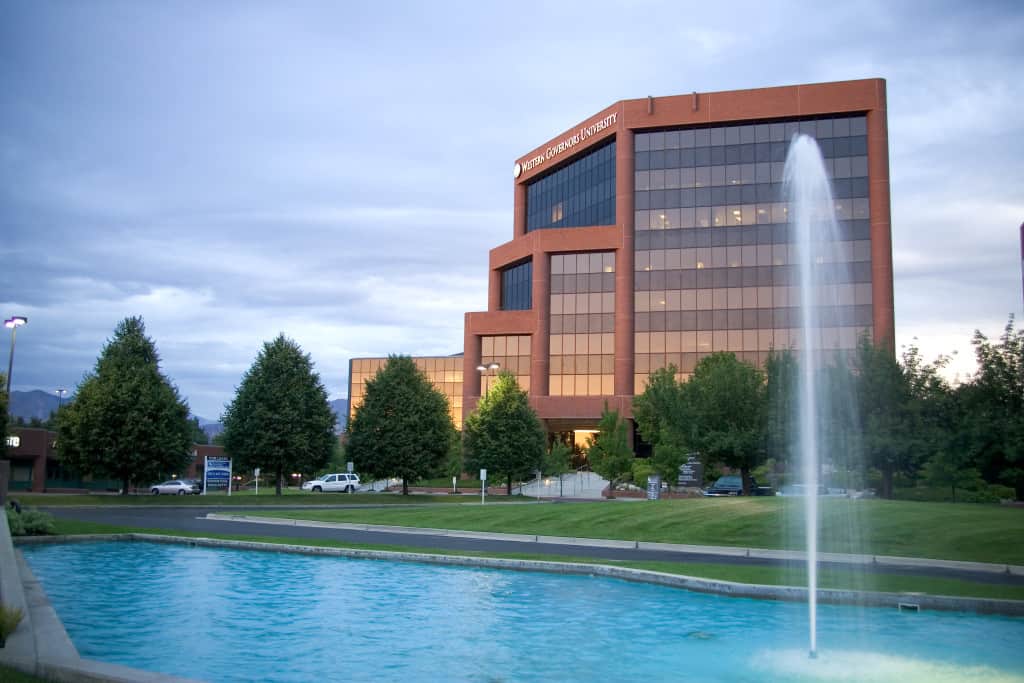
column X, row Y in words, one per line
column 338, row 171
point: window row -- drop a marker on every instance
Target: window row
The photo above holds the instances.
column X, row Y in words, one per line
column 740, row 174
column 756, row 276
column 583, row 344
column 749, row 297
column 584, row 322
column 583, row 283
column 742, row 340
column 746, row 133
column 846, row 188
column 568, row 304
column 581, row 385
column 751, row 153
column 582, row 365
column 737, row 235
column 505, row 345
column 749, row 318
column 579, row 194
column 752, row 255
column 591, row 262
column 517, row 365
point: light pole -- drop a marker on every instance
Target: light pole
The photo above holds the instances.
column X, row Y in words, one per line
column 60, row 398
column 482, row 369
column 14, row 322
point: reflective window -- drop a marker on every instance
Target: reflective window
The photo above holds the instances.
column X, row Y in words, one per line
column 511, row 353
column 582, row 341
column 577, row 195
column 516, row 287
column 444, row 372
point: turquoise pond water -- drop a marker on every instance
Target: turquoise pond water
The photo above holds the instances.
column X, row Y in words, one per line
column 231, row 615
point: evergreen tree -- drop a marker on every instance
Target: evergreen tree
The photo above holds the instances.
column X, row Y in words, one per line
column 127, row 421
column 403, row 427
column 280, row 420
column 504, row 435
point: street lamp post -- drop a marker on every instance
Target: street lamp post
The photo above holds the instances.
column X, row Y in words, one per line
column 14, row 322
column 483, row 370
column 60, row 398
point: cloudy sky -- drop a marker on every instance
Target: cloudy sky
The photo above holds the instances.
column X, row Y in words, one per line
column 337, row 171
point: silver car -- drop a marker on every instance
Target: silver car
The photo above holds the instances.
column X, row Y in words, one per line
column 175, row 487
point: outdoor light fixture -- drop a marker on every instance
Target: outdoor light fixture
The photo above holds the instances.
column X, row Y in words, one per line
column 60, row 396
column 483, row 370
column 14, row 322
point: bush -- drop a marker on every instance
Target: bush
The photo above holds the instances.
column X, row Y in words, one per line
column 30, row 523
column 642, row 468
column 10, row 617
column 992, row 493
column 15, row 523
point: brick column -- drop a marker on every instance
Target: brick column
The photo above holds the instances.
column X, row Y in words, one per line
column 624, row 258
column 881, row 224
column 519, row 211
column 540, row 344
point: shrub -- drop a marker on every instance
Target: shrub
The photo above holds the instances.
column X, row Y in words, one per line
column 641, row 468
column 30, row 523
column 10, row 617
column 992, row 493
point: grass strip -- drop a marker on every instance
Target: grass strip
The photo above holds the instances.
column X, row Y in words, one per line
column 951, row 531
column 774, row 576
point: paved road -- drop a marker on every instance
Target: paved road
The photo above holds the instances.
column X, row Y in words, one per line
column 193, row 519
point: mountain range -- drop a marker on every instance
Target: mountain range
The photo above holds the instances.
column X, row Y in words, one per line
column 39, row 405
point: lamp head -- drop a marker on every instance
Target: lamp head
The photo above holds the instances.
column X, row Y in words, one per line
column 16, row 321
column 481, row 368
column 493, row 366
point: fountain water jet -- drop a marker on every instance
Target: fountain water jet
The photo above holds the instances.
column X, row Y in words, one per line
column 816, row 233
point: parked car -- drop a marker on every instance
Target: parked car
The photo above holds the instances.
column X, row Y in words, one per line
column 343, row 481
column 732, row 485
column 177, row 487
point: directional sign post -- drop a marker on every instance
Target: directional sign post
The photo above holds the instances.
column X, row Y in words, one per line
column 483, row 485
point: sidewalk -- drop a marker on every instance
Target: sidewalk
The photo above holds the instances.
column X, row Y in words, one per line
column 725, row 551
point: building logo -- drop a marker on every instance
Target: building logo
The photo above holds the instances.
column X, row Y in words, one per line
column 566, row 144
column 517, row 170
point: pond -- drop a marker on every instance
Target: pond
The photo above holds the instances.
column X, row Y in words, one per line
column 220, row 614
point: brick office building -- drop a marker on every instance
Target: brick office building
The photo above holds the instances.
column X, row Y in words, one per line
column 655, row 232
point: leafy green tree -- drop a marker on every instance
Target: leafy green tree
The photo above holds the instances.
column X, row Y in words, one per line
column 504, row 435
column 889, row 439
column 669, row 455
column 728, row 404
column 660, row 411
column 198, row 435
column 952, row 469
column 3, row 412
column 403, row 427
column 127, row 421
column 609, row 453
column 280, row 420
column 994, row 407
column 557, row 461
column 782, row 376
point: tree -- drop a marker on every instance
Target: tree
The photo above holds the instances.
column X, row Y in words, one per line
column 663, row 418
column 781, row 386
column 727, row 403
column 609, row 453
column 403, row 427
column 503, row 435
column 994, row 406
column 279, row 420
column 127, row 421
column 887, row 425
column 198, row 435
column 3, row 412
column 557, row 461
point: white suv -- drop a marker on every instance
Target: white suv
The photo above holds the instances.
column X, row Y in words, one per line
column 344, row 482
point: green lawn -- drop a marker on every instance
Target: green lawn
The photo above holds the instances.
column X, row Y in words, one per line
column 8, row 675
column 828, row 578
column 982, row 533
column 266, row 497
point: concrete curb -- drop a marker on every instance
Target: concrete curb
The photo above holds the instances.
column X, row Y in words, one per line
column 697, row 584
column 763, row 553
